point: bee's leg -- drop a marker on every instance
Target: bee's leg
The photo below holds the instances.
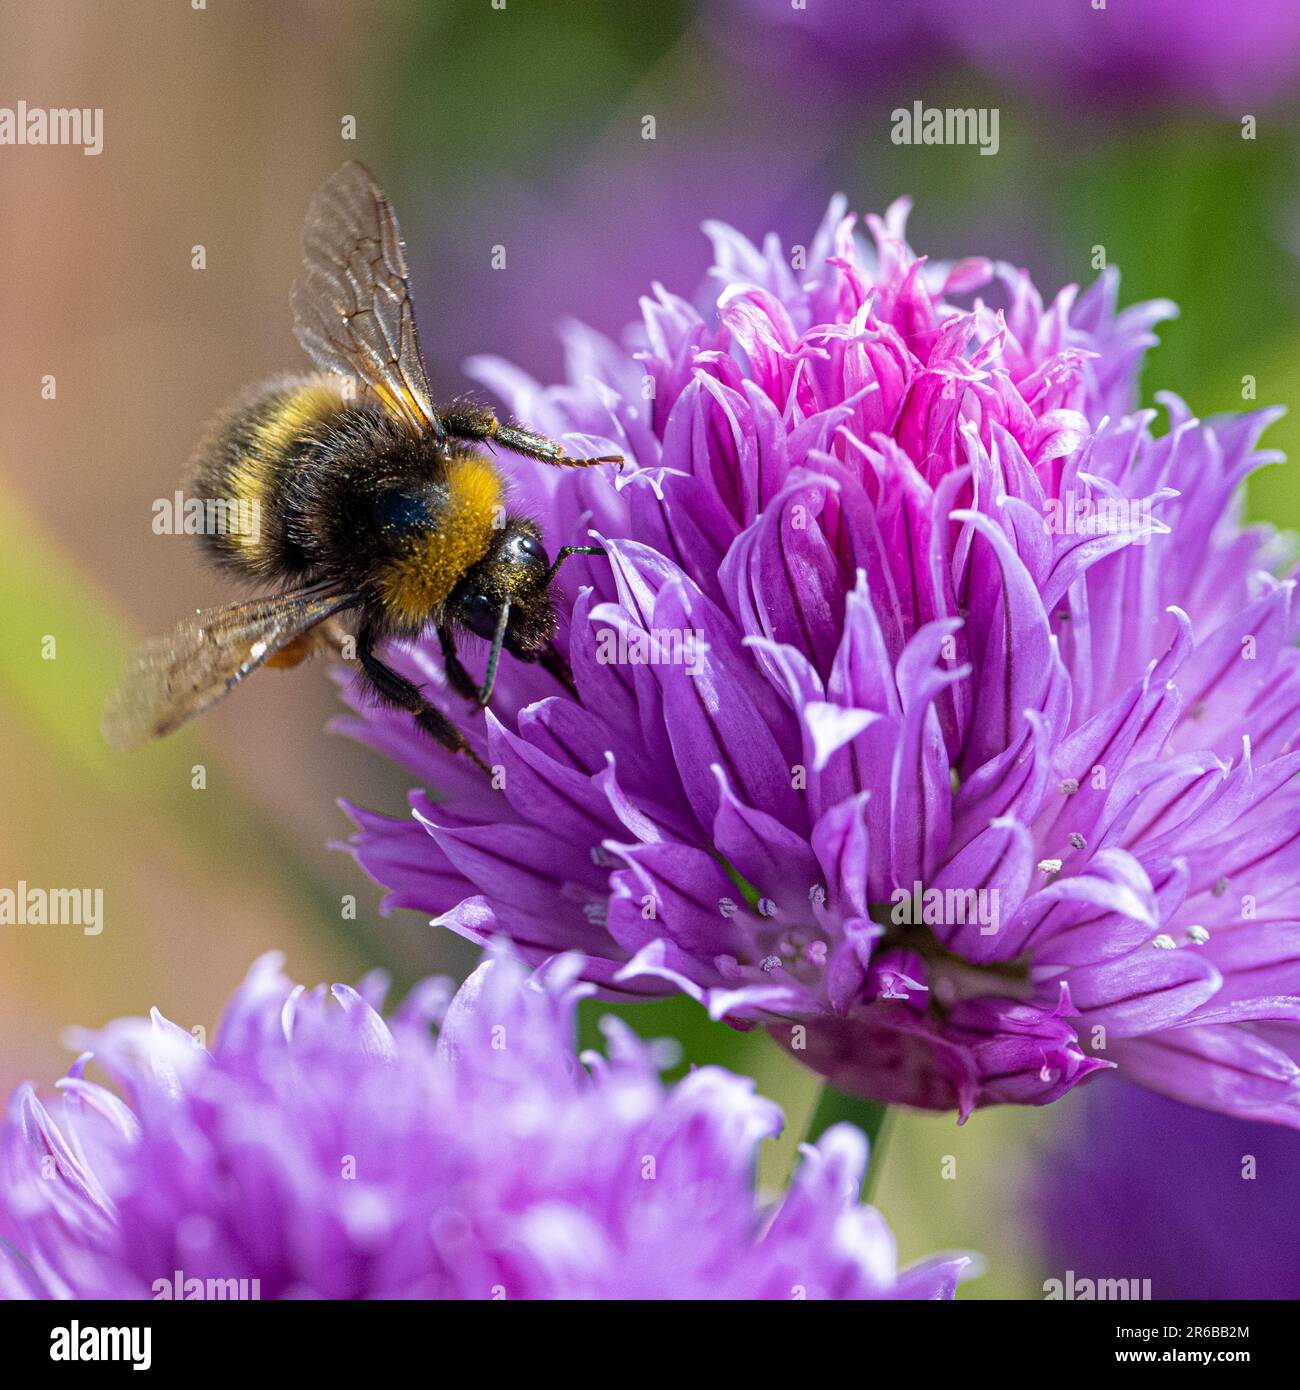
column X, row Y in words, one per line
column 552, row 659
column 398, row 691
column 461, row 680
column 472, row 422
column 459, row 677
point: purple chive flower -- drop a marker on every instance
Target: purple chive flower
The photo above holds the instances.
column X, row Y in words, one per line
column 1210, row 1202
column 935, row 709
column 318, row 1151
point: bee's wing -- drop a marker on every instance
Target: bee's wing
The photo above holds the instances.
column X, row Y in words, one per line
column 352, row 300
column 170, row 679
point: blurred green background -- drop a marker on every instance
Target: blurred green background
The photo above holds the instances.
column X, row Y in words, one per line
column 516, row 126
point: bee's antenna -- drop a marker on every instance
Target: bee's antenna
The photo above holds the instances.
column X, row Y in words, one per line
column 565, row 552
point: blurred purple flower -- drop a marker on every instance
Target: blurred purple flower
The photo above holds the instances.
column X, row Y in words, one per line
column 932, row 710
column 1132, row 52
column 1198, row 52
column 1209, row 1202
column 835, row 45
column 584, row 243
column 325, row 1153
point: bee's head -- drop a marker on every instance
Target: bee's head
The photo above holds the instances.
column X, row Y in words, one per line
column 515, row 569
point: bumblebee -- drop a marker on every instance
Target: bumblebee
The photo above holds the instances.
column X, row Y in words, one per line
column 378, row 515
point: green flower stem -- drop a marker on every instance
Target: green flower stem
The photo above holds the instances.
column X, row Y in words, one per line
column 870, row 1116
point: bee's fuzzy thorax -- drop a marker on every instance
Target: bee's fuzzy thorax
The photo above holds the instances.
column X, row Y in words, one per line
column 418, row 579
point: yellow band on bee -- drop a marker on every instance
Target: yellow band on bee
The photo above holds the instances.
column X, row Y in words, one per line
column 436, row 561
column 287, row 420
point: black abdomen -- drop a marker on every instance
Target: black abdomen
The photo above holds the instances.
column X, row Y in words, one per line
column 245, row 468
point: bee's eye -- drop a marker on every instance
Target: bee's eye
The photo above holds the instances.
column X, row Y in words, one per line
column 527, row 552
column 480, row 615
